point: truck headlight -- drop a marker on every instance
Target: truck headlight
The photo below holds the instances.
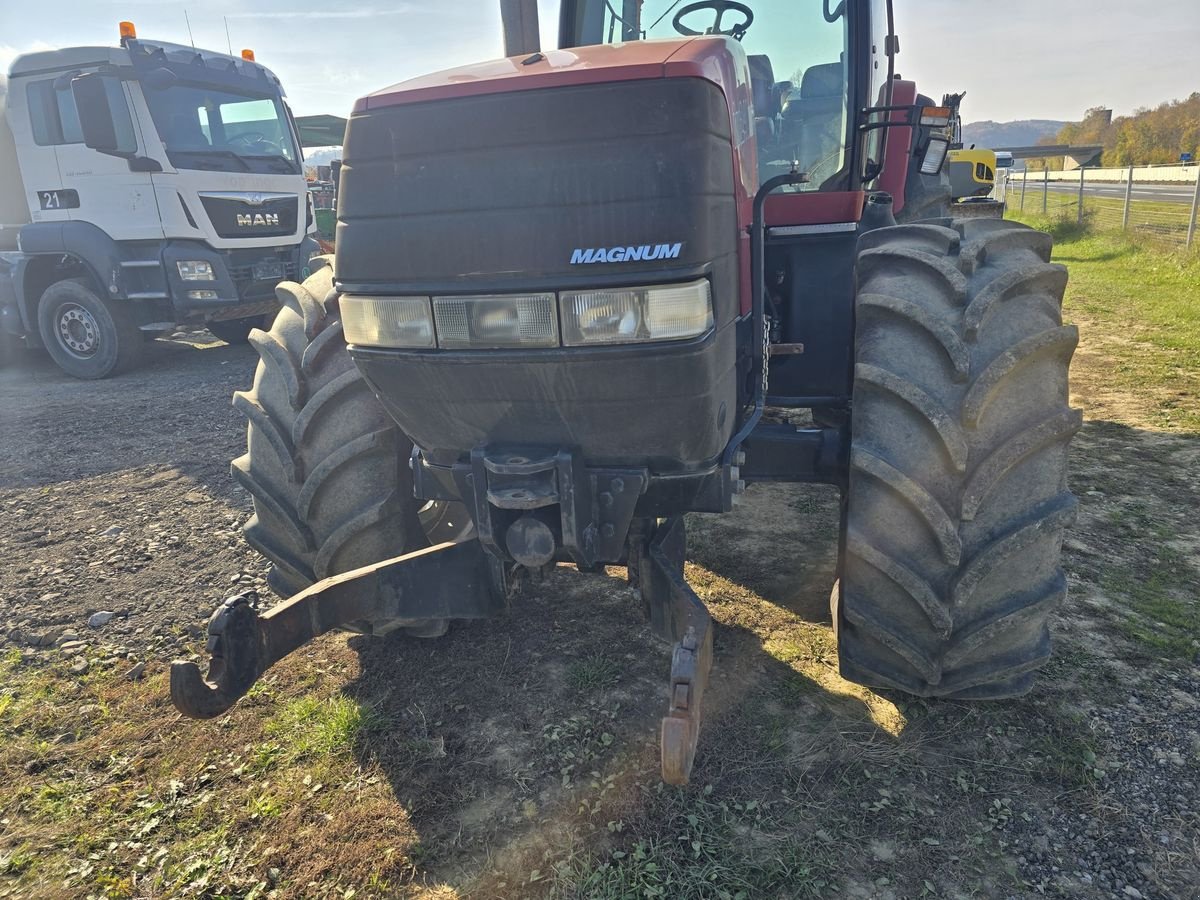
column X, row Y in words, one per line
column 666, row 312
column 387, row 321
column 496, row 321
column 195, row 270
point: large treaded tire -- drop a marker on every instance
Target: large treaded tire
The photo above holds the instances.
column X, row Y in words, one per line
column 325, row 464
column 958, row 499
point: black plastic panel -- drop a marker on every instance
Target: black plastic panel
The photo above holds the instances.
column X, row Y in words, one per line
column 816, row 302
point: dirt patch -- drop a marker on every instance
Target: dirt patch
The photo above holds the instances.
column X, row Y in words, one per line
column 518, row 758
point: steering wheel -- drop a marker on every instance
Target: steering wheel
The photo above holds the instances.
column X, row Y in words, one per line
column 720, row 7
column 249, row 138
column 832, row 17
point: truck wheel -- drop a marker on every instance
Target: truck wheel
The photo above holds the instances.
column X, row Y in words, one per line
column 953, row 519
column 237, row 331
column 88, row 336
column 325, row 464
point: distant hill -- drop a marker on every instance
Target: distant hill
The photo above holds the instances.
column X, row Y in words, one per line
column 1002, row 135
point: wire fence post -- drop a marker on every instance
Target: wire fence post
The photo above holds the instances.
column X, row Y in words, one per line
column 1195, row 203
column 1128, row 199
column 1045, row 189
column 1024, row 181
column 1079, row 215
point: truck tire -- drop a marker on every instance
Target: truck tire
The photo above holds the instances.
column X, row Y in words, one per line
column 326, row 466
column 957, row 501
column 88, row 336
column 237, row 331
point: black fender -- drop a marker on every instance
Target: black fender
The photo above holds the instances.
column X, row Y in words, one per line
column 91, row 246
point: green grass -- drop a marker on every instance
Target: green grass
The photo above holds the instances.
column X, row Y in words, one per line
column 593, row 673
column 312, row 727
column 730, row 849
column 1139, row 304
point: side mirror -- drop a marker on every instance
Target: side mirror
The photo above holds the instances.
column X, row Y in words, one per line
column 97, row 117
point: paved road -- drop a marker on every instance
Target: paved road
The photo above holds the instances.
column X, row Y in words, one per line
column 1162, row 193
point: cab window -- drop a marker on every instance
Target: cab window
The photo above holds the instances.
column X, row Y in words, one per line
column 798, row 71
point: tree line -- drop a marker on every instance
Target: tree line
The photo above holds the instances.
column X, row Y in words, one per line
column 1149, row 137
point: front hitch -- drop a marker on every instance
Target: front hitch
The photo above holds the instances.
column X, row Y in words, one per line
column 450, row 581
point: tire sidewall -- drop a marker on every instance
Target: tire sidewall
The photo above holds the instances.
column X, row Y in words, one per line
column 107, row 355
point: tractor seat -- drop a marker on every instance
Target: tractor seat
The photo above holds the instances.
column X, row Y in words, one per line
column 813, row 118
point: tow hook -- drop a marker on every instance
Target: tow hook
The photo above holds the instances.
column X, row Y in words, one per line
column 450, row 581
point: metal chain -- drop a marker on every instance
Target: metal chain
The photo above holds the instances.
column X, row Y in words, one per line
column 766, row 356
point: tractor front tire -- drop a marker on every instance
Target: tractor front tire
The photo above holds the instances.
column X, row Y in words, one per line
column 957, row 501
column 326, row 466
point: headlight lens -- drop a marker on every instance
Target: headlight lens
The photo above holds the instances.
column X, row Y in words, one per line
column 195, row 270
column 492, row 322
column 497, row 321
column 387, row 321
column 935, row 155
column 636, row 315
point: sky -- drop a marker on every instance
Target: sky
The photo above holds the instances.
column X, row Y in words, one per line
column 1016, row 59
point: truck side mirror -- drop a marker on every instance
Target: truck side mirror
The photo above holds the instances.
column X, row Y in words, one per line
column 105, row 128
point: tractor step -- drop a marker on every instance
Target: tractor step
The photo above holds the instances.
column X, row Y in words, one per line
column 450, row 581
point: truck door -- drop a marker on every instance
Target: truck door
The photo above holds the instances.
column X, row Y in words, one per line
column 33, row 116
column 119, row 201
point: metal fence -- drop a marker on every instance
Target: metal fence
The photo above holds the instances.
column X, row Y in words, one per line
column 1161, row 205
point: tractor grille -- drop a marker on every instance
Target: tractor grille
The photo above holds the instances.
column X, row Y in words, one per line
column 234, row 216
column 493, row 190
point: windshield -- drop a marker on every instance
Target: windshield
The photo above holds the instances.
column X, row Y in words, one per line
column 797, row 63
column 215, row 128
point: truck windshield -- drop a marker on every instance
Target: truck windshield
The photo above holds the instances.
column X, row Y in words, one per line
column 798, row 70
column 214, row 128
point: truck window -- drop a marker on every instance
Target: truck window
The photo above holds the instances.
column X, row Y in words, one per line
column 215, row 123
column 55, row 119
column 45, row 115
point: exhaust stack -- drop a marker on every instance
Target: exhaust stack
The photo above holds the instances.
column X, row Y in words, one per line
column 520, row 19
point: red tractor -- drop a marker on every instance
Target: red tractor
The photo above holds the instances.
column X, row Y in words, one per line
column 568, row 283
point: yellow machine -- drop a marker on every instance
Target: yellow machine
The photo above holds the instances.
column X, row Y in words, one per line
column 972, row 173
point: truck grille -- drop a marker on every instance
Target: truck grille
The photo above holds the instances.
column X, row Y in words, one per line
column 236, row 215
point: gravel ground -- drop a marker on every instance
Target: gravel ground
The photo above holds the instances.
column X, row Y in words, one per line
column 120, row 532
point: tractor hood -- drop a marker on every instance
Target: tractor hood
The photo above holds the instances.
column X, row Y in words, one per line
column 559, row 68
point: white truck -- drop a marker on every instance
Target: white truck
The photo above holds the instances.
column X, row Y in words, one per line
column 141, row 187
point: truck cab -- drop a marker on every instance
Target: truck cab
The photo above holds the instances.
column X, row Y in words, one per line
column 154, row 184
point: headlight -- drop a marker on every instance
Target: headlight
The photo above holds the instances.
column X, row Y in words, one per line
column 387, row 321
column 935, row 155
column 195, row 270
column 519, row 320
column 634, row 315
